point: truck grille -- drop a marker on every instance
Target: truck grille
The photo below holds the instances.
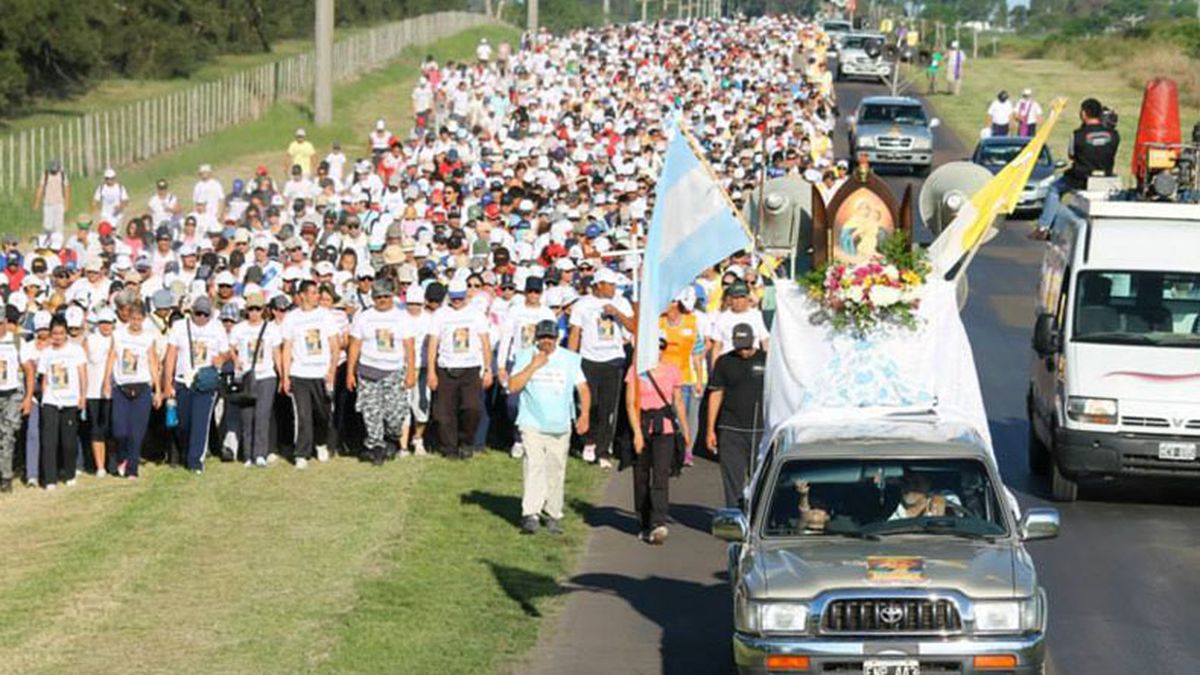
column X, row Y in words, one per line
column 1151, row 464
column 1155, row 422
column 856, row 667
column 884, row 615
column 893, row 142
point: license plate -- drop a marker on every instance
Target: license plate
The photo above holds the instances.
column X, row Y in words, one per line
column 891, row 667
column 1179, row 452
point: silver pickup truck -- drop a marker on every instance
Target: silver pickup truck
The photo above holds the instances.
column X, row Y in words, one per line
column 877, row 554
column 893, row 130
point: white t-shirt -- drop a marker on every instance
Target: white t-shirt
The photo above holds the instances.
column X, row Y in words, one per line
column 209, row 192
column 517, row 333
column 244, row 337
column 97, row 358
column 59, row 369
column 133, row 355
column 162, row 208
column 1001, row 113
column 459, row 332
column 382, row 335
column 337, row 166
column 10, row 362
column 726, row 321
column 206, row 343
column 310, row 333
column 601, row 338
column 110, row 198
column 419, row 327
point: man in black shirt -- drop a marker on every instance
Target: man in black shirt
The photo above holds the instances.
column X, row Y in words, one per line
column 1093, row 150
column 735, row 410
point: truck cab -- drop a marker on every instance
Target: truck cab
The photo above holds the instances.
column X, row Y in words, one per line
column 1114, row 386
column 836, row 567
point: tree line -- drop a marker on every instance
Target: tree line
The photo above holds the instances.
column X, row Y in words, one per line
column 58, row 48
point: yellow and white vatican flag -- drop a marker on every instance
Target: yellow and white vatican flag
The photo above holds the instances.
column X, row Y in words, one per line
column 955, row 246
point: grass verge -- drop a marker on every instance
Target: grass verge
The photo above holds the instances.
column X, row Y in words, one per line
column 343, row 568
column 236, row 151
column 964, row 114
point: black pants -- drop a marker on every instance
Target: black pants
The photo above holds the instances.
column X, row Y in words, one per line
column 734, row 450
column 313, row 414
column 457, row 407
column 60, row 443
column 604, row 379
column 651, row 472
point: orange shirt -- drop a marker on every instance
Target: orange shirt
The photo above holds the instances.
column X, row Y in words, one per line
column 681, row 344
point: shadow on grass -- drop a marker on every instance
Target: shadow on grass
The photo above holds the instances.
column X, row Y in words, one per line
column 504, row 507
column 524, row 587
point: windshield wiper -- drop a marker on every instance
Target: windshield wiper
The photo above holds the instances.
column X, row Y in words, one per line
column 1117, row 338
column 937, row 527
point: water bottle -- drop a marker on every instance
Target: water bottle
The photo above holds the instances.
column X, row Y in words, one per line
column 172, row 414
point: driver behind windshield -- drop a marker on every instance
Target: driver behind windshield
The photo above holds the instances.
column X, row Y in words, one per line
column 918, row 499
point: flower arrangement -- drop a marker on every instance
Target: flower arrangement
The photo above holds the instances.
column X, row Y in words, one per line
column 883, row 291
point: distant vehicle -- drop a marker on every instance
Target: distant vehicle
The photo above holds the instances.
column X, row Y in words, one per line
column 994, row 154
column 834, row 26
column 893, row 130
column 1113, row 378
column 862, row 55
column 861, row 586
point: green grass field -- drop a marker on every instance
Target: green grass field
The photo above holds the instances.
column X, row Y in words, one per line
column 235, row 152
column 415, row 567
column 964, row 114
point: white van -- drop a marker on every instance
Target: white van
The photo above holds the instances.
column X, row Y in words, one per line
column 1115, row 376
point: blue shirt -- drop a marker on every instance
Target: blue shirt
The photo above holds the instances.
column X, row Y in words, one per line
column 547, row 403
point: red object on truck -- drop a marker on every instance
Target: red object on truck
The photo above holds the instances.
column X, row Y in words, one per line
column 1158, row 124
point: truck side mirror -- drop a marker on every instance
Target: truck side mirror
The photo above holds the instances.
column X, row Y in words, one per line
column 1039, row 524
column 1046, row 338
column 730, row 525
column 1060, row 163
column 935, row 123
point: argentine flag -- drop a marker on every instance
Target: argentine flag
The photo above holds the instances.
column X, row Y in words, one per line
column 693, row 227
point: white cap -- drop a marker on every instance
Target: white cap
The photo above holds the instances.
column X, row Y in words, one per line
column 205, row 168
column 325, row 268
column 41, row 320
column 105, row 315
column 380, row 125
column 605, row 275
column 415, row 295
column 300, row 131
column 74, row 317
column 187, row 249
column 110, row 173
column 19, row 301
column 457, row 287
column 293, row 274
column 226, row 279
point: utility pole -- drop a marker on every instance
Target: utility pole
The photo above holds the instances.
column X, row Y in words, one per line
column 607, row 12
column 323, row 90
column 532, row 18
column 644, row 2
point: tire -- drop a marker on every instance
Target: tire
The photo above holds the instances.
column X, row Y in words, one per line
column 1038, row 454
column 1062, row 489
column 920, row 171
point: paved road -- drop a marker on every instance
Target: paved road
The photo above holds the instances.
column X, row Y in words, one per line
column 1123, row 579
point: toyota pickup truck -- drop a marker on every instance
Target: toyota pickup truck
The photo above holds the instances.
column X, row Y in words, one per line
column 893, row 131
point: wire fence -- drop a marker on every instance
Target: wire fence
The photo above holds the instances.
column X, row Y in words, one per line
column 90, row 143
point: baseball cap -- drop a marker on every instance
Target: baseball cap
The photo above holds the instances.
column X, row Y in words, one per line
column 162, row 299
column 256, row 299
column 457, row 289
column 41, row 320
column 225, row 279
column 737, row 289
column 382, row 287
column 230, row 312
column 202, row 305
column 743, row 336
column 110, row 173
column 415, row 295
column 534, row 285
column 545, row 329
column 605, row 276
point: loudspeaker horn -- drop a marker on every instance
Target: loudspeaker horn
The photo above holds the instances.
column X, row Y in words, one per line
column 784, row 217
column 946, row 190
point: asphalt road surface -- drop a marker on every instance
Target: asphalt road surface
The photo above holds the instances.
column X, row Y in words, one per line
column 1123, row 577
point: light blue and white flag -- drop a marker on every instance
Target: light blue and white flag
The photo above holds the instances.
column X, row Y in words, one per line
column 693, row 227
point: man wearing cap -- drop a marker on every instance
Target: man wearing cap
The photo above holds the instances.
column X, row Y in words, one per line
column 517, row 333
column 110, row 198
column 163, row 204
column 309, row 366
column 382, row 368
column 600, row 324
column 735, row 410
column 208, row 195
column 15, row 380
column 300, row 153
column 739, row 312
column 53, row 197
column 459, row 370
column 195, row 343
column 545, row 377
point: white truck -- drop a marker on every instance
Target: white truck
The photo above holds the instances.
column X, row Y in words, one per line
column 1114, row 387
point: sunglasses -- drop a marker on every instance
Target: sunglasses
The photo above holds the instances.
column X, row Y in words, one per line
column 254, row 309
column 204, row 314
column 474, row 285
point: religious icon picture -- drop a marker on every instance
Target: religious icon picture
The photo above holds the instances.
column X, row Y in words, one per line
column 860, row 225
column 312, row 341
column 385, row 340
column 462, row 340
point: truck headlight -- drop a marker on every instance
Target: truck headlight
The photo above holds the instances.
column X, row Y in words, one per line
column 1046, row 182
column 866, row 142
column 922, row 144
column 778, row 617
column 998, row 617
column 1092, row 410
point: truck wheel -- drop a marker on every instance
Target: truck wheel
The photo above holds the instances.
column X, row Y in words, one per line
column 1062, row 489
column 1039, row 456
column 921, row 171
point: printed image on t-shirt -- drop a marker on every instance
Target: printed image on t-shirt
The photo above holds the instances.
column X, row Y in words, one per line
column 3, row 370
column 199, row 352
column 312, row 341
column 606, row 328
column 527, row 332
column 385, row 340
column 59, row 379
column 462, row 340
column 129, row 362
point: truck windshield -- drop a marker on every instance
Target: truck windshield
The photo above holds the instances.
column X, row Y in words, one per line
column 999, row 154
column 892, row 114
column 872, row 498
column 860, row 41
column 1138, row 307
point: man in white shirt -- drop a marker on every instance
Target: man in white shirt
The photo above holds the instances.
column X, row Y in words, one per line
column 517, row 333
column 459, row 369
column 739, row 311
column 382, row 368
column 600, row 324
column 13, row 383
column 110, row 198
column 336, row 159
column 195, row 344
column 310, row 347
column 208, row 191
column 999, row 115
column 164, row 205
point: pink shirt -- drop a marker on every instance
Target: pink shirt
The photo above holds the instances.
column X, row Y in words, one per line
column 667, row 377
